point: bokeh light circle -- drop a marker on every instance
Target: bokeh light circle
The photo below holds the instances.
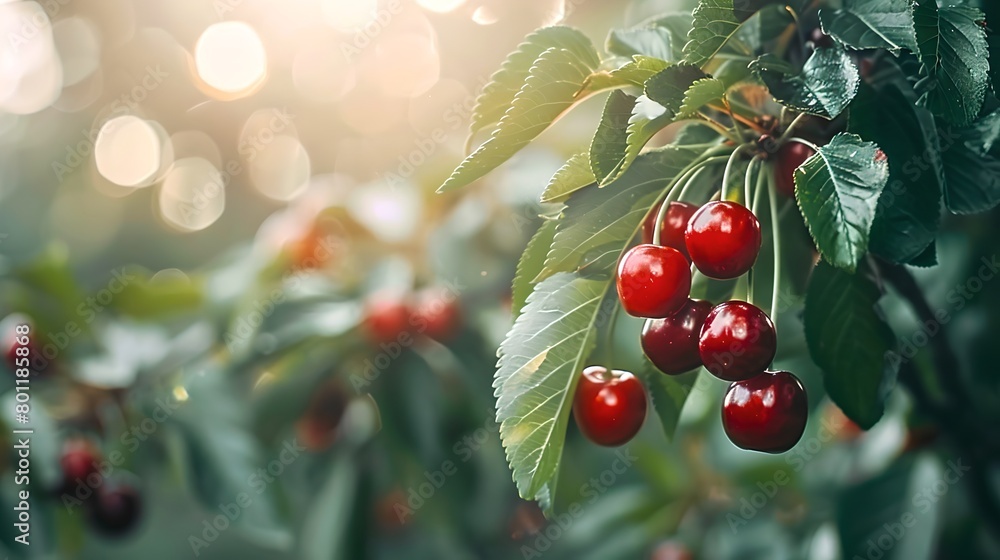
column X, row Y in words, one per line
column 230, row 57
column 127, row 151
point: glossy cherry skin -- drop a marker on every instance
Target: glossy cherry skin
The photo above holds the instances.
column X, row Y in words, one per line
column 790, row 156
column 609, row 407
column 737, row 341
column 767, row 413
column 437, row 314
column 672, row 343
column 673, row 227
column 723, row 239
column 386, row 317
column 116, row 509
column 653, row 281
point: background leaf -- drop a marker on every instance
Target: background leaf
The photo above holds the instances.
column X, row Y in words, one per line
column 872, row 24
column 715, row 22
column 909, row 210
column 971, row 161
column 499, row 93
column 574, row 175
column 668, row 394
column 550, row 89
column 838, row 190
column 825, row 86
column 849, row 341
column 955, row 60
column 530, row 265
column 611, row 139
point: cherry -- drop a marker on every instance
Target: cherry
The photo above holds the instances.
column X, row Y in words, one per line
column 317, row 428
column 313, row 250
column 737, row 341
column 437, row 314
column 116, row 509
column 672, row 343
column 790, row 156
column 609, row 407
column 386, row 318
column 671, row 550
column 653, row 281
column 78, row 462
column 672, row 229
column 723, row 239
column 767, row 413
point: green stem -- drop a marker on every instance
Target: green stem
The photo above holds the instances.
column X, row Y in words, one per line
column 719, row 128
column 726, row 190
column 788, row 131
column 690, row 183
column 748, row 199
column 772, row 196
column 805, row 142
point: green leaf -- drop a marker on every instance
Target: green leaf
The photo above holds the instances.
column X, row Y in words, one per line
column 504, row 84
column 701, row 93
column 715, row 22
column 668, row 393
column 530, row 265
column 695, row 133
column 971, row 161
column 765, row 25
column 870, row 512
column 668, row 88
column 909, row 210
column 574, row 175
column 551, row 88
column 540, row 363
column 953, row 50
column 325, row 529
column 648, row 118
column 825, row 86
column 652, row 40
column 632, row 73
column 850, row 342
column 607, row 149
column 146, row 298
column 598, row 224
column 872, row 24
column 220, row 460
column 838, row 190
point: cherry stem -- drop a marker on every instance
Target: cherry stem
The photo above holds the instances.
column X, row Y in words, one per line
column 805, row 142
column 690, row 183
column 726, row 189
column 772, row 197
column 706, row 159
column 791, row 127
column 749, row 200
column 719, row 128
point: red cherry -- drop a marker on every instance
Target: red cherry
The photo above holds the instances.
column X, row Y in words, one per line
column 790, row 156
column 767, row 413
column 671, row 550
column 386, row 318
column 116, row 510
column 317, row 428
column 672, row 343
column 723, row 239
column 608, row 407
column 78, row 462
column 437, row 314
column 672, row 229
column 314, row 249
column 653, row 281
column 737, row 341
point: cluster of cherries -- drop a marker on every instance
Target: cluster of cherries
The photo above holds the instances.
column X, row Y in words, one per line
column 763, row 410
column 432, row 312
column 113, row 507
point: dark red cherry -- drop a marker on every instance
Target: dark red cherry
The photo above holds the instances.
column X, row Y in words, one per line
column 653, row 281
column 673, row 227
column 723, row 239
column 386, row 317
column 737, row 341
column 767, row 413
column 672, row 343
column 437, row 314
column 116, row 509
column 790, row 156
column 78, row 462
column 609, row 407
column 317, row 429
